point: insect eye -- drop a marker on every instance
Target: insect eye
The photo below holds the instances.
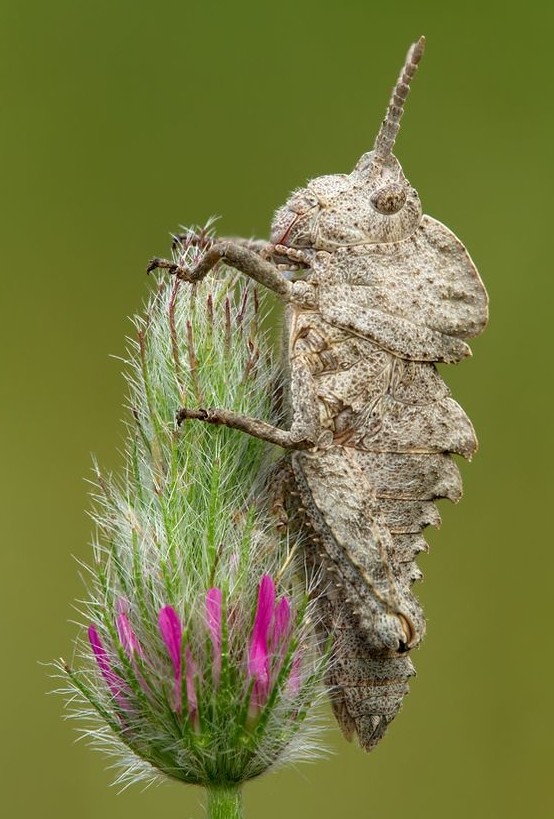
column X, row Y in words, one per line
column 390, row 199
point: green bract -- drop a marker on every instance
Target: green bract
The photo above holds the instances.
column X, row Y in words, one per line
column 200, row 664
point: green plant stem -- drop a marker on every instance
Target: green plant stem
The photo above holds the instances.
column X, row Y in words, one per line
column 224, row 802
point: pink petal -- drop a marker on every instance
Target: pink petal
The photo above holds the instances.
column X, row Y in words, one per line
column 127, row 636
column 172, row 635
column 114, row 682
column 122, row 605
column 213, row 617
column 258, row 658
column 281, row 623
column 257, row 655
column 129, row 640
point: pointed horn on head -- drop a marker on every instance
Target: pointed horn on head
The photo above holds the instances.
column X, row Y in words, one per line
column 388, row 132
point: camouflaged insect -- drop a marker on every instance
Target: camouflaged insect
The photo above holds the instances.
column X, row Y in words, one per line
column 385, row 292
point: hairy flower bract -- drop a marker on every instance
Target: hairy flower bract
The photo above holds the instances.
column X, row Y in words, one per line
column 199, row 660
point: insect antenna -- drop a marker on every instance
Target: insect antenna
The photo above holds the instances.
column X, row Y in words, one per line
column 390, row 126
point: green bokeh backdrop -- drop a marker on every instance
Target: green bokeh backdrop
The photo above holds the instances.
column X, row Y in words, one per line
column 121, row 120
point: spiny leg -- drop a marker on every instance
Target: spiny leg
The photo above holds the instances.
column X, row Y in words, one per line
column 202, row 239
column 245, row 423
column 237, row 256
column 305, row 431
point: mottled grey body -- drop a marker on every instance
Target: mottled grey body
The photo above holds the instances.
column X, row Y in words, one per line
column 385, row 293
column 384, row 314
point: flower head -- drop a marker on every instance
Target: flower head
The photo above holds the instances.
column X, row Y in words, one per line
column 229, row 691
column 198, row 665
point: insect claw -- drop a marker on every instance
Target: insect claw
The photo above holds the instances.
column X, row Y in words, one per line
column 172, row 268
column 153, row 264
column 184, row 414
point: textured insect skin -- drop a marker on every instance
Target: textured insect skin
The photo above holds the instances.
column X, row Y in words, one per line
column 385, row 293
column 363, row 598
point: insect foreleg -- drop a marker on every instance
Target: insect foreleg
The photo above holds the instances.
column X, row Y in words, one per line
column 238, row 256
column 203, row 240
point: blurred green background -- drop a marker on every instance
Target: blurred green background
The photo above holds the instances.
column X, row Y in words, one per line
column 121, row 120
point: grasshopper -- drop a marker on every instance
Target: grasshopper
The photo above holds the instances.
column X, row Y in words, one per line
column 380, row 294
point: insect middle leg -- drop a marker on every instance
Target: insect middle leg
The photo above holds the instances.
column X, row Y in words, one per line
column 245, row 423
column 304, row 433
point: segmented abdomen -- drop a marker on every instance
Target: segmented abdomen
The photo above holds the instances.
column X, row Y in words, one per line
column 394, row 426
column 367, row 686
column 395, row 417
column 367, row 683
